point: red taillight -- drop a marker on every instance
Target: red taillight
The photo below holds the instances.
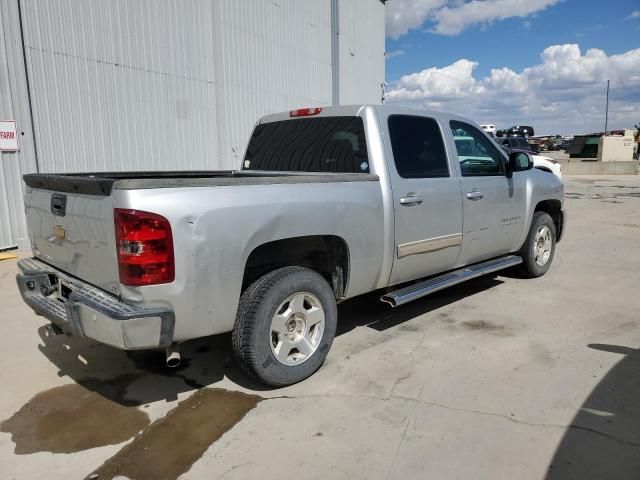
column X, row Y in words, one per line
column 145, row 248
column 305, row 112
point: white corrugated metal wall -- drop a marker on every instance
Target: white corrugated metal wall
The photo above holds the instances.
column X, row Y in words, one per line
column 361, row 51
column 121, row 85
column 270, row 56
column 177, row 84
column 13, row 106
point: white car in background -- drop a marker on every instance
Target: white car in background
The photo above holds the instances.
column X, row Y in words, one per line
column 490, row 129
column 548, row 164
column 540, row 162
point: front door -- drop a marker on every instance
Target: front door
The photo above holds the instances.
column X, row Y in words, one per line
column 493, row 205
column 427, row 201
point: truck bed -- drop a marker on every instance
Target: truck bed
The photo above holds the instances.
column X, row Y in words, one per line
column 103, row 183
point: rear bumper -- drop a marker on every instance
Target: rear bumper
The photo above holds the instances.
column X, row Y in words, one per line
column 84, row 310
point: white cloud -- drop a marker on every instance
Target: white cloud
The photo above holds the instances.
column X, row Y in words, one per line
column 437, row 83
column 634, row 14
column 404, row 15
column 393, row 53
column 563, row 93
column 450, row 17
column 453, row 20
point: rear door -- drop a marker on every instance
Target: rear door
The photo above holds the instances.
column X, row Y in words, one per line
column 427, row 200
column 493, row 205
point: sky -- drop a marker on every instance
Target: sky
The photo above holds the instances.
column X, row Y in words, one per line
column 543, row 63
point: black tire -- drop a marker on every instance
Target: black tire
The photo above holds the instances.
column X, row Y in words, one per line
column 252, row 335
column 530, row 267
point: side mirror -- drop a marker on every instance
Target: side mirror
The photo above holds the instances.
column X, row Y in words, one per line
column 519, row 162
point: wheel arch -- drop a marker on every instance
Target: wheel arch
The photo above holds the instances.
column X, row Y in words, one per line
column 553, row 207
column 327, row 255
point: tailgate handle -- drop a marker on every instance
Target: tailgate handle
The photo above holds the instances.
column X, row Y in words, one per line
column 59, row 204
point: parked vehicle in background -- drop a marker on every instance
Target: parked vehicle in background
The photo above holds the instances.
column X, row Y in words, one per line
column 331, row 203
column 556, row 143
column 535, row 144
column 521, row 131
column 513, row 144
column 566, row 141
column 551, row 144
column 548, row 164
column 490, row 129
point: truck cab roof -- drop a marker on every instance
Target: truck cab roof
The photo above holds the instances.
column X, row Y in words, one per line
column 354, row 110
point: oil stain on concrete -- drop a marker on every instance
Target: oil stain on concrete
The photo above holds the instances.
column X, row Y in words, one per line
column 70, row 419
column 487, row 327
column 170, row 445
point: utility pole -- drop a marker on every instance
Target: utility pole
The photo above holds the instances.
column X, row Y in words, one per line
column 606, row 115
column 335, row 53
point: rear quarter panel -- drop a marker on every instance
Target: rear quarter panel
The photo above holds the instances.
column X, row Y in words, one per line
column 215, row 229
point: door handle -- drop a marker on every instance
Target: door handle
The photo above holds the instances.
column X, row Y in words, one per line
column 475, row 195
column 411, row 200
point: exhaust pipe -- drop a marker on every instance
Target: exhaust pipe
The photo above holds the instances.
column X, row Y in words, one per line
column 173, row 357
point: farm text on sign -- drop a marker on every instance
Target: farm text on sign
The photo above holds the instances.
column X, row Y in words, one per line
column 8, row 136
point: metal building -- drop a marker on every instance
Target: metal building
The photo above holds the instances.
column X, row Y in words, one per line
column 99, row 85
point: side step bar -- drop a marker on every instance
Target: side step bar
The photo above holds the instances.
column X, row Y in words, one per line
column 434, row 284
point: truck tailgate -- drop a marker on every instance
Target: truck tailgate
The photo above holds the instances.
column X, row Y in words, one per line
column 74, row 232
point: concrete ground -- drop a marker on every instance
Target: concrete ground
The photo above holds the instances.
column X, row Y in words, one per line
column 500, row 378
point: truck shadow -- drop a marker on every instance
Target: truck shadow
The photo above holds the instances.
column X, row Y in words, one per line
column 141, row 377
column 603, row 439
column 367, row 310
column 137, row 377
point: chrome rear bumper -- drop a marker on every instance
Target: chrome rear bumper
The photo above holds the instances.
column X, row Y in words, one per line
column 81, row 309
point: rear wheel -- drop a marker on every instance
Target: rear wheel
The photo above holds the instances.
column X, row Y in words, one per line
column 285, row 325
column 539, row 247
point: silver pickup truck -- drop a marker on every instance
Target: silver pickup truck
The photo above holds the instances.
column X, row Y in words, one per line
column 330, row 203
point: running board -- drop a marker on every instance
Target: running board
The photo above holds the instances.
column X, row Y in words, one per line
column 434, row 284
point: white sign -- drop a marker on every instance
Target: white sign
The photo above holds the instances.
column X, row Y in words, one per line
column 8, row 136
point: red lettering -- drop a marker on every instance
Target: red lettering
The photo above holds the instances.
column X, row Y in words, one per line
column 7, row 135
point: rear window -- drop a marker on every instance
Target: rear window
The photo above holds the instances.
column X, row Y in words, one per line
column 329, row 144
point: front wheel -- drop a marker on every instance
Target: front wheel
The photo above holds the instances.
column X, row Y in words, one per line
column 285, row 326
column 539, row 247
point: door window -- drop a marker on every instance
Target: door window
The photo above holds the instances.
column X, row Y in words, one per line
column 476, row 153
column 418, row 148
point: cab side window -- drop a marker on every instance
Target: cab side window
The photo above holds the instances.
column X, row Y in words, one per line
column 476, row 153
column 418, row 148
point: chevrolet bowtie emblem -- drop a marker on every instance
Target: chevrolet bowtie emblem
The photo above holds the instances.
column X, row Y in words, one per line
column 59, row 233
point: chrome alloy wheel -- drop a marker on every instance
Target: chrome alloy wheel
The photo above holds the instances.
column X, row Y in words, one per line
column 542, row 246
column 296, row 328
